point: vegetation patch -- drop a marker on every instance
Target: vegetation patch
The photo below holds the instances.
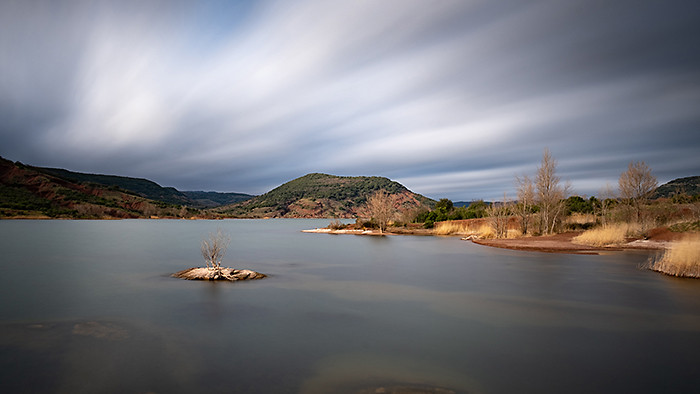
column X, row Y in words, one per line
column 685, row 227
column 604, row 236
column 681, row 259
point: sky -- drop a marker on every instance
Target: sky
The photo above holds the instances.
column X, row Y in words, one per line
column 453, row 99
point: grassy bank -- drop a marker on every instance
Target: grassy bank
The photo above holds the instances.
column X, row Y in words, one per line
column 682, row 259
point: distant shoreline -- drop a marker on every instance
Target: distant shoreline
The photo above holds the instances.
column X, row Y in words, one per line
column 558, row 243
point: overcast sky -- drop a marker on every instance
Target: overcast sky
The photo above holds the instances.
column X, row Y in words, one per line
column 450, row 98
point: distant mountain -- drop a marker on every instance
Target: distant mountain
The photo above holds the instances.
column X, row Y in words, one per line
column 689, row 185
column 324, row 196
column 32, row 192
column 215, row 199
column 465, row 204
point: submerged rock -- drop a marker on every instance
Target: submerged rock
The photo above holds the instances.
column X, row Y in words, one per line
column 229, row 274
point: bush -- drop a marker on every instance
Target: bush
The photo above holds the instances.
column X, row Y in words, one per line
column 336, row 225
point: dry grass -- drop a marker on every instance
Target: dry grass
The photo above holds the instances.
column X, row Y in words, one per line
column 681, row 259
column 580, row 218
column 514, row 233
column 479, row 228
column 613, row 234
column 456, row 227
column 486, row 231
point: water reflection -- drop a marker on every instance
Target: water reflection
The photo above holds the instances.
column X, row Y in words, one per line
column 338, row 313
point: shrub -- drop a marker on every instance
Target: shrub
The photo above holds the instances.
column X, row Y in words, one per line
column 336, row 225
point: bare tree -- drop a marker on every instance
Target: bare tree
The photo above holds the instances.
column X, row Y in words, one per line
column 381, row 208
column 636, row 186
column 606, row 200
column 550, row 193
column 498, row 217
column 526, row 199
column 214, row 249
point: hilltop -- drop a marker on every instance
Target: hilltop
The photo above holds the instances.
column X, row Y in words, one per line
column 325, row 196
column 688, row 186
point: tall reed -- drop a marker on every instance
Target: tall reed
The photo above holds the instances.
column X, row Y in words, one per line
column 682, row 258
column 613, row 234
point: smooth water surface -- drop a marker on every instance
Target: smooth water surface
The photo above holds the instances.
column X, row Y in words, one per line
column 89, row 306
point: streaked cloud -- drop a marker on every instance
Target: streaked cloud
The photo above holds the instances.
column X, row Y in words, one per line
column 451, row 98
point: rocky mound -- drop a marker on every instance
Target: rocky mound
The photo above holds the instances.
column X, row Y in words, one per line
column 229, row 274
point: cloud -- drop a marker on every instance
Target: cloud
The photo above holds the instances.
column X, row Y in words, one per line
column 451, row 98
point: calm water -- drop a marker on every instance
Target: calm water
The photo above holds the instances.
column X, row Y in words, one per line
column 88, row 306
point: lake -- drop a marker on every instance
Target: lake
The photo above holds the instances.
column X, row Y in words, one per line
column 89, row 307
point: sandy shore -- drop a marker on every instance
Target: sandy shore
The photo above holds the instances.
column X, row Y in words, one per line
column 558, row 243
column 563, row 243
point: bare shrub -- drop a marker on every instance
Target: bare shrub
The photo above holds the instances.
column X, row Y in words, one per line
column 681, row 259
column 336, row 225
column 607, row 199
column 214, row 248
column 381, row 209
column 498, row 217
column 550, row 194
column 526, row 200
column 636, row 186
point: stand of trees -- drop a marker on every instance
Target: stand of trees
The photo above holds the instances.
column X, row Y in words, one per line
column 544, row 202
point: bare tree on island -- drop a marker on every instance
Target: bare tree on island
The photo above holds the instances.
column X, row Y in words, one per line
column 381, row 209
column 636, row 186
column 214, row 249
column 550, row 193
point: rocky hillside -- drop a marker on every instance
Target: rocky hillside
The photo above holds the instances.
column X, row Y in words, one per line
column 324, row 196
column 29, row 192
column 142, row 187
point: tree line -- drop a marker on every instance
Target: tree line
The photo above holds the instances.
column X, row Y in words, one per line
column 543, row 202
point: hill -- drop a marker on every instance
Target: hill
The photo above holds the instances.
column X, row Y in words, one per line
column 215, row 199
column 689, row 186
column 142, row 187
column 30, row 192
column 324, row 196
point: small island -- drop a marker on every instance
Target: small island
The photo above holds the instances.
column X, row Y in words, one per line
column 207, row 273
column 213, row 250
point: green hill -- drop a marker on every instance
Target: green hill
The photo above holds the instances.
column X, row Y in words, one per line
column 322, row 195
column 215, row 199
column 689, row 186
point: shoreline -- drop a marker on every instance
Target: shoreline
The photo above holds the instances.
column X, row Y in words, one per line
column 557, row 243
